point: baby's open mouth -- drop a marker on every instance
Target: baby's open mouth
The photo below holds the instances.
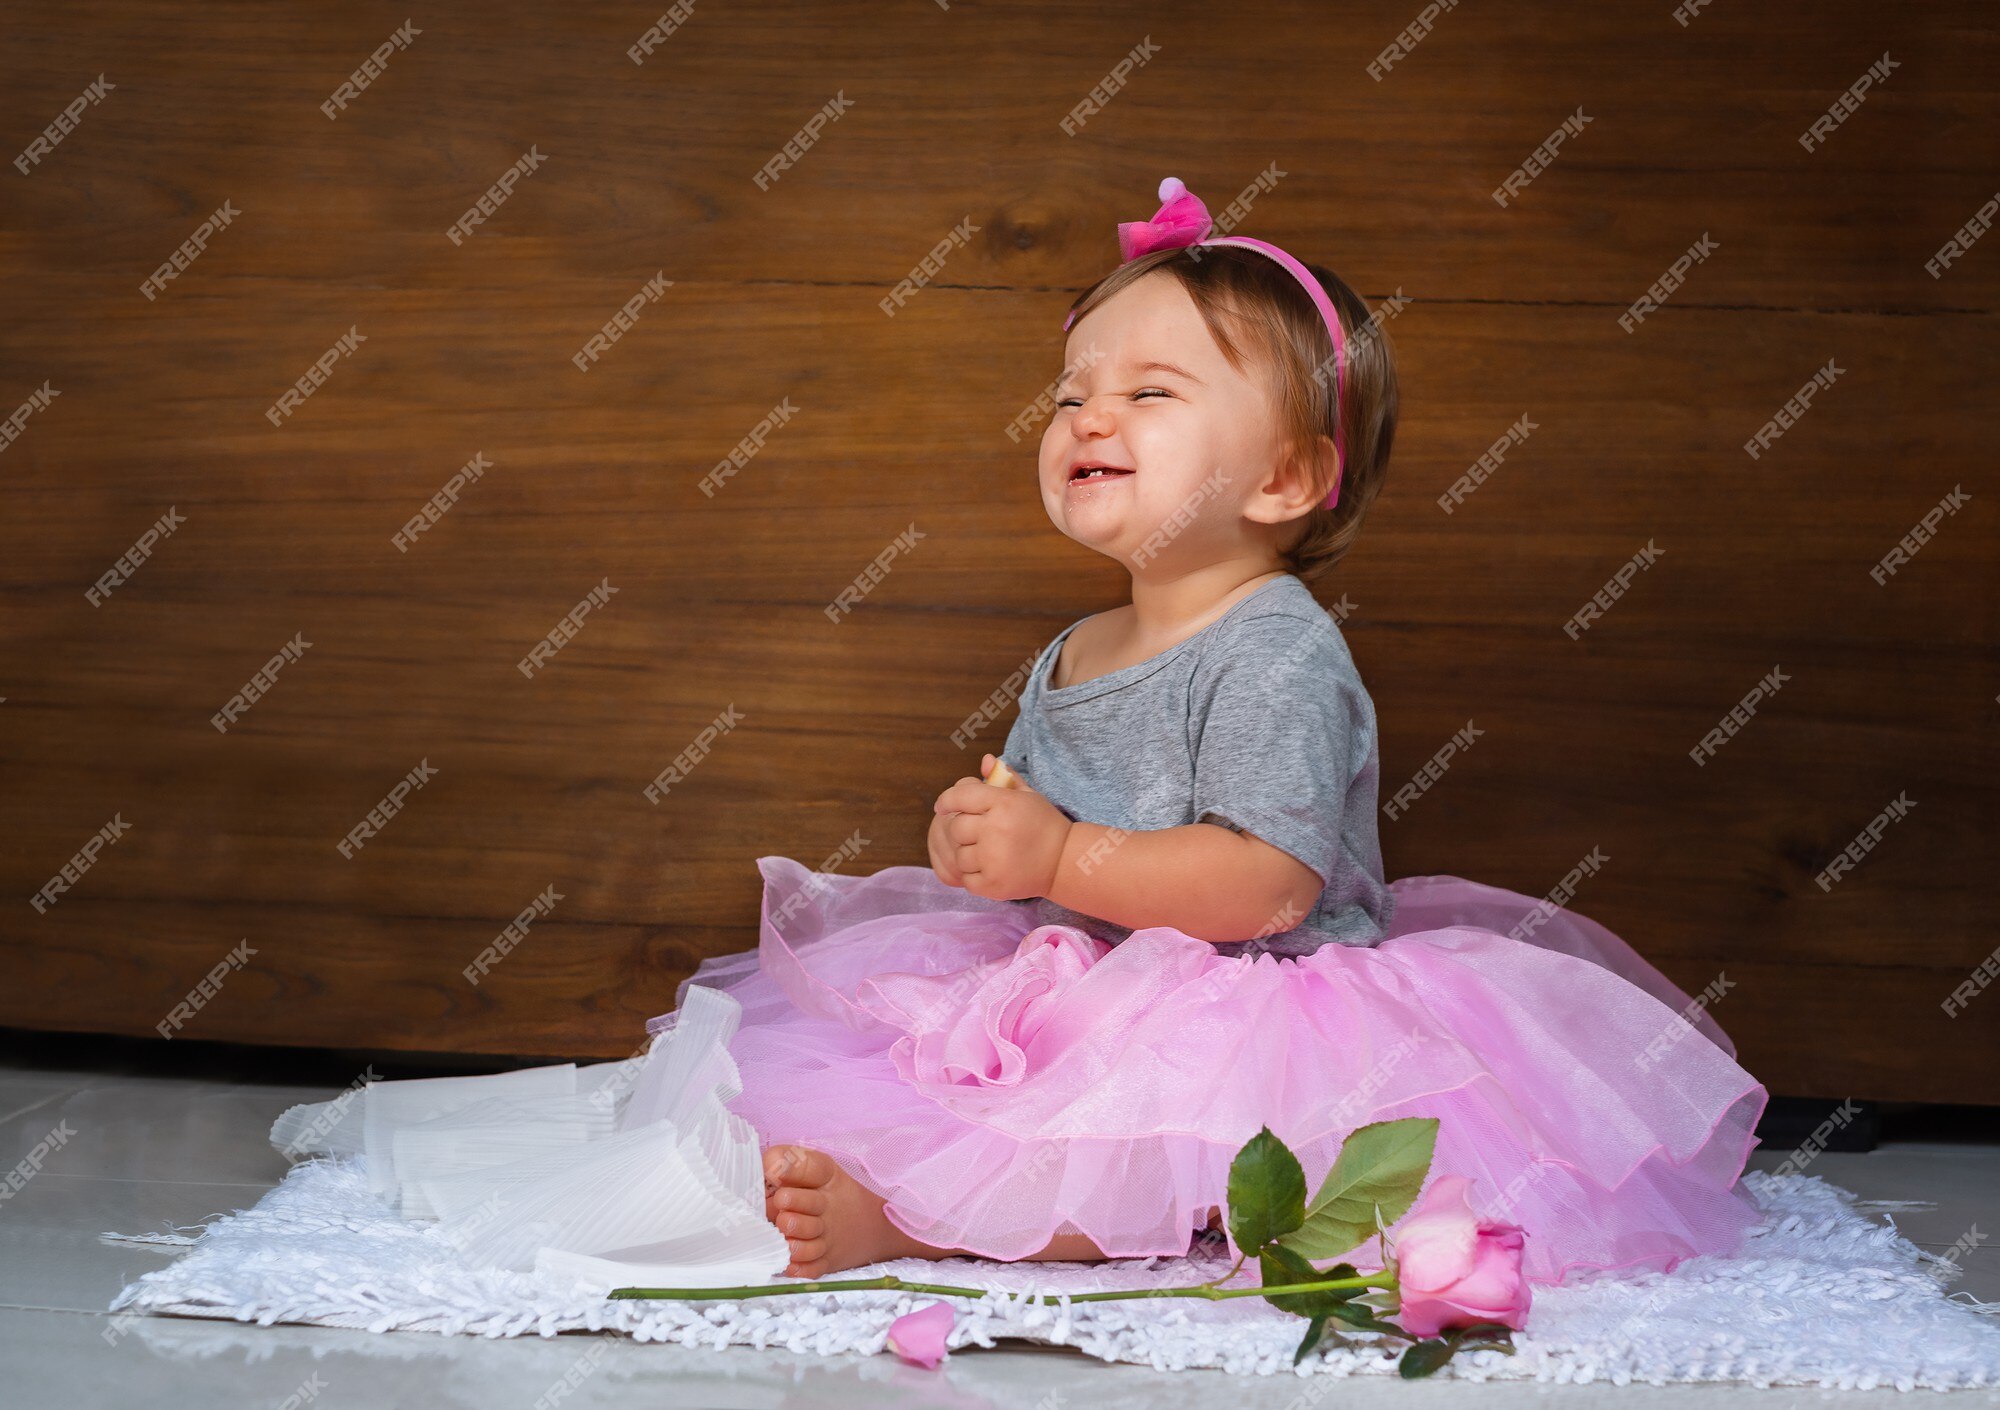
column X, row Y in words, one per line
column 1096, row 472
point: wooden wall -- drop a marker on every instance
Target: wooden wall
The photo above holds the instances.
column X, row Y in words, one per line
column 648, row 170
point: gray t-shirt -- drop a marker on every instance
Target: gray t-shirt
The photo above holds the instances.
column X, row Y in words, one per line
column 1258, row 722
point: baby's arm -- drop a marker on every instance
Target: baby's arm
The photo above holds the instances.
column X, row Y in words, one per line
column 1202, row 879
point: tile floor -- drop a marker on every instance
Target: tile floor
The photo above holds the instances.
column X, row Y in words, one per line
column 156, row 1147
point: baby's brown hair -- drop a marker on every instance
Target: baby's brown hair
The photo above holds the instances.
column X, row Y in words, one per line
column 1242, row 292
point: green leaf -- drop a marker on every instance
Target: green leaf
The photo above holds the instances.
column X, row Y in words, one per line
column 1280, row 1265
column 1354, row 1314
column 1381, row 1165
column 1267, row 1192
column 1314, row 1329
column 1424, row 1357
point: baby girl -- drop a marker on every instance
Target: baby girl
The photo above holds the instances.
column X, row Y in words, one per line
column 1174, row 929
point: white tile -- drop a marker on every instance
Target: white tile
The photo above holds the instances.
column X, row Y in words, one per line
column 52, row 1258
column 127, row 1128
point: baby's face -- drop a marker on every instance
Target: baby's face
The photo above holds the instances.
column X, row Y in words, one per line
column 1199, row 439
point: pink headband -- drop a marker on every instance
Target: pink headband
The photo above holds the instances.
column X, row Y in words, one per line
column 1183, row 221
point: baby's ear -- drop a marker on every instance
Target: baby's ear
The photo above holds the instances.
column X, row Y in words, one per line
column 1317, row 465
column 1301, row 480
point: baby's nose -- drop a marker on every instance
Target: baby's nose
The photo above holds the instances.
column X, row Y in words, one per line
column 1094, row 417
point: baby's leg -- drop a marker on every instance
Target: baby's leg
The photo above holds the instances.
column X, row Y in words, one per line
column 833, row 1222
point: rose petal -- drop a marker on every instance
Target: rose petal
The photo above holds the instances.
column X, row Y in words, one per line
column 918, row 1337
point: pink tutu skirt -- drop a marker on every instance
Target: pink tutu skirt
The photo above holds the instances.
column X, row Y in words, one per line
column 1001, row 1083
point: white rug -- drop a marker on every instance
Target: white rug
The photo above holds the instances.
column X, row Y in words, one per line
column 1821, row 1295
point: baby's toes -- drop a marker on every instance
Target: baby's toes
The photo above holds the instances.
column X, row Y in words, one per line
column 798, row 1199
column 808, row 1259
column 801, row 1226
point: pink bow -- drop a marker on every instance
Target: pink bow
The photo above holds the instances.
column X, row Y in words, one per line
column 1180, row 221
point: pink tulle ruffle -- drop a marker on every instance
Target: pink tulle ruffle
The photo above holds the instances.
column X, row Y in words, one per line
column 1001, row 1084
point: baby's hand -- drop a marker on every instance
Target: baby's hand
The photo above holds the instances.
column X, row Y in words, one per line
column 1002, row 842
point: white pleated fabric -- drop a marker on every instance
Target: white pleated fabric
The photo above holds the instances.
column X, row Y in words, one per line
column 612, row 1174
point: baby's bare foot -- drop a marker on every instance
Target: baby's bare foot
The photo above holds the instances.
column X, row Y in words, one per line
column 831, row 1220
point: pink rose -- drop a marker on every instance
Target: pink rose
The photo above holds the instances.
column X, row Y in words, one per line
column 986, row 1034
column 918, row 1337
column 1455, row 1268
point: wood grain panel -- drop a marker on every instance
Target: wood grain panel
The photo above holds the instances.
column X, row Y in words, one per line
column 847, row 726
